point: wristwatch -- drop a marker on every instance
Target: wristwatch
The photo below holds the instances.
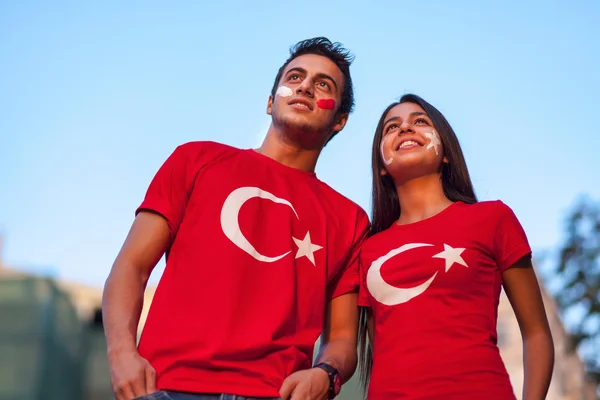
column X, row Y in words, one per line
column 335, row 381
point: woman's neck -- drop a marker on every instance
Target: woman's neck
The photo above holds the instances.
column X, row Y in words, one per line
column 421, row 198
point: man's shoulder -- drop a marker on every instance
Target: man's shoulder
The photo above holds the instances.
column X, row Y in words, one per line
column 204, row 146
column 343, row 203
column 202, row 152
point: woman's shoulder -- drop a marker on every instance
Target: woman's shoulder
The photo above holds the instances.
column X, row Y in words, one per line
column 488, row 207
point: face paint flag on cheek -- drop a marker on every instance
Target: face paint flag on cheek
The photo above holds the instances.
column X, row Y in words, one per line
column 284, row 91
column 326, row 104
column 389, row 160
column 434, row 141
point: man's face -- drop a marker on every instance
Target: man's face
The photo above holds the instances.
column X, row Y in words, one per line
column 308, row 98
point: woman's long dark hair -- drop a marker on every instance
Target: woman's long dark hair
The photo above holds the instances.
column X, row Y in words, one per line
column 385, row 211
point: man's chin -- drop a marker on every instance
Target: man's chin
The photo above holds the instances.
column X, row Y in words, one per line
column 299, row 125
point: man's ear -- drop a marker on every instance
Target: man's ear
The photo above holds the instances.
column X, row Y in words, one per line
column 270, row 105
column 340, row 122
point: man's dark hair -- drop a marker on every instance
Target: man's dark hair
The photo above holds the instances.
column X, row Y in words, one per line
column 335, row 52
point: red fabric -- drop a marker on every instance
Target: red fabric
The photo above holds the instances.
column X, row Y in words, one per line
column 223, row 321
column 441, row 343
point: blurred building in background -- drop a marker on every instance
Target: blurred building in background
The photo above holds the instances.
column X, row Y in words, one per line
column 52, row 344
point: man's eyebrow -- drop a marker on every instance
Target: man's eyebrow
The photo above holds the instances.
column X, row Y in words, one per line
column 296, row 69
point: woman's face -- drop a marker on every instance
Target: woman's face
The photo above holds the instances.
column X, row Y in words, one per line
column 410, row 144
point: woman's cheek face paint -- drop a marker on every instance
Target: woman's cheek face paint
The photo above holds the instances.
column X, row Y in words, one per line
column 326, row 104
column 434, row 141
column 284, row 91
column 383, row 141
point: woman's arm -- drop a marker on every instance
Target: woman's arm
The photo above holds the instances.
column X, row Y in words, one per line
column 523, row 291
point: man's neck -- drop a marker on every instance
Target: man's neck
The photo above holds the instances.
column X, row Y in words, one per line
column 288, row 153
column 421, row 198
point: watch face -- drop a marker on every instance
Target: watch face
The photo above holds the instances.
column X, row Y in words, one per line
column 337, row 384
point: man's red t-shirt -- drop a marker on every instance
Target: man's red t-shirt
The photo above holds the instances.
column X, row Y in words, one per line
column 433, row 287
column 257, row 250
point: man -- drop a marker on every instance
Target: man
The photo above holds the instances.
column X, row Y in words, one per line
column 261, row 257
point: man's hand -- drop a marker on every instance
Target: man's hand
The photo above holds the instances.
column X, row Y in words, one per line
column 131, row 376
column 308, row 384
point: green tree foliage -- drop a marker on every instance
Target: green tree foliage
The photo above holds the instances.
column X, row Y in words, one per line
column 578, row 273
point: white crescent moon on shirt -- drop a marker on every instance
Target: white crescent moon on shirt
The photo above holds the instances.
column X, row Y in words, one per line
column 386, row 293
column 230, row 223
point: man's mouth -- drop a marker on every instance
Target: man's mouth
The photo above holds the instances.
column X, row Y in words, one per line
column 301, row 104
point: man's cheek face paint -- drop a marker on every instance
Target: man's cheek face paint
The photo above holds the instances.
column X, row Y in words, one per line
column 383, row 141
column 284, row 91
column 326, row 104
column 434, row 141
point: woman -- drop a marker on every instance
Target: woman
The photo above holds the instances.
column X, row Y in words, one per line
column 433, row 269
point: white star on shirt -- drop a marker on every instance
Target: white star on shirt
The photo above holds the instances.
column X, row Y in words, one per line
column 451, row 255
column 434, row 141
column 306, row 248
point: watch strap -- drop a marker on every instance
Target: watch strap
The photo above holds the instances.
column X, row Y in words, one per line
column 334, row 376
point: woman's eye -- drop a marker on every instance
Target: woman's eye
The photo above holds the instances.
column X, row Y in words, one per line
column 390, row 127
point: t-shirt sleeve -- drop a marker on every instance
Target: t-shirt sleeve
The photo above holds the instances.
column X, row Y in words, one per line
column 347, row 281
column 363, row 294
column 510, row 240
column 170, row 188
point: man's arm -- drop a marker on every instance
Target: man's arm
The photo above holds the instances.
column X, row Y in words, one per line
column 338, row 349
column 340, row 327
column 122, row 302
column 339, row 337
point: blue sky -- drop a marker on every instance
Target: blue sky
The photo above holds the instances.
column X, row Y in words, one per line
column 95, row 96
